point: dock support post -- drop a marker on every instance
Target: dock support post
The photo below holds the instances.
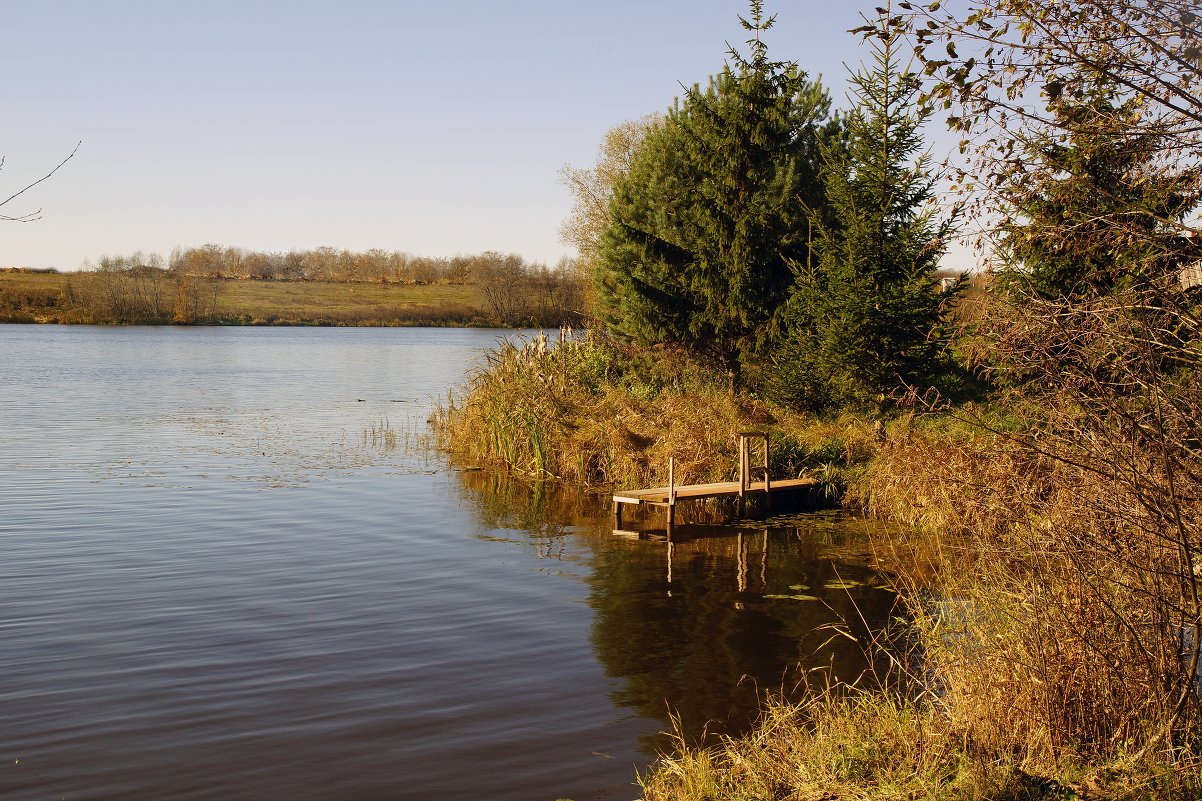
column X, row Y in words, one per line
column 671, row 495
column 767, row 479
column 617, row 516
column 743, row 471
column 744, row 477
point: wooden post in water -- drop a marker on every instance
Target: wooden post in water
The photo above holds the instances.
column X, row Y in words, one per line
column 743, row 471
column 671, row 495
column 746, row 479
column 744, row 463
column 767, row 480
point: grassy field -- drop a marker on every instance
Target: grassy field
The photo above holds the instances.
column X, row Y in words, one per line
column 31, row 297
column 44, row 297
column 285, row 302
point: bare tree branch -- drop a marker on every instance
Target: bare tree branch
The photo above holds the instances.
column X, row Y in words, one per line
column 33, row 215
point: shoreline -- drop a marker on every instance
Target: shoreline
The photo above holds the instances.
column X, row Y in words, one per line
column 277, row 324
column 988, row 541
column 162, row 298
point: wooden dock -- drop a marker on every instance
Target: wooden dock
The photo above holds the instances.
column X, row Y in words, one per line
column 667, row 497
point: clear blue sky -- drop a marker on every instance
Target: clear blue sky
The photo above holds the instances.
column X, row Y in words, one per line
column 426, row 127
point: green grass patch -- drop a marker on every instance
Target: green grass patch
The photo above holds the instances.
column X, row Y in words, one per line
column 342, row 303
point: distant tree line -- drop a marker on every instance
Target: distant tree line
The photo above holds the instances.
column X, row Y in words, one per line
column 138, row 289
column 333, row 264
column 186, row 288
column 514, row 291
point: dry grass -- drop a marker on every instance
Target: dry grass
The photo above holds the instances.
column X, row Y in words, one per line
column 380, row 437
column 843, row 744
column 1052, row 604
column 849, row 745
column 30, row 297
column 943, row 483
column 596, row 412
column 46, row 297
column 1044, row 606
column 1047, row 551
column 574, row 412
column 342, row 303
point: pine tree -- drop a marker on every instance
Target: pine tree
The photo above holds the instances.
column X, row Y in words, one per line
column 1098, row 209
column 704, row 226
column 865, row 316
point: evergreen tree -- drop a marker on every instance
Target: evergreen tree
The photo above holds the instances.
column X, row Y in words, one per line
column 1096, row 208
column 705, row 224
column 865, row 315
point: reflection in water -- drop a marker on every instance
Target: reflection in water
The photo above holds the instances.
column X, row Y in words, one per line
column 216, row 587
column 543, row 510
column 704, row 624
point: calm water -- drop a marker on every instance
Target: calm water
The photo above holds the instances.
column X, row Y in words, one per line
column 214, row 585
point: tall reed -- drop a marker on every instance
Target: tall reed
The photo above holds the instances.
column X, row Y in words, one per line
column 595, row 411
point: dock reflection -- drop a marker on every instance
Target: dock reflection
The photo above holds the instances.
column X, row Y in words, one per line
column 702, row 623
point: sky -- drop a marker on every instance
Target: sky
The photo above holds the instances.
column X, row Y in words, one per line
column 430, row 128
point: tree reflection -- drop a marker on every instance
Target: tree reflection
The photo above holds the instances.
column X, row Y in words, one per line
column 703, row 625
column 708, row 642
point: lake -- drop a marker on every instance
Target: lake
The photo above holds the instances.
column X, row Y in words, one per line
column 232, row 569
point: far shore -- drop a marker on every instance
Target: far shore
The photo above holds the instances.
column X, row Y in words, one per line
column 39, row 296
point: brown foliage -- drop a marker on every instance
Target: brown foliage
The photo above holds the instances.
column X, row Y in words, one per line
column 1059, row 606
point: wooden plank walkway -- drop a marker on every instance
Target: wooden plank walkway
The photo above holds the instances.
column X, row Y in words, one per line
column 659, row 496
column 668, row 496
